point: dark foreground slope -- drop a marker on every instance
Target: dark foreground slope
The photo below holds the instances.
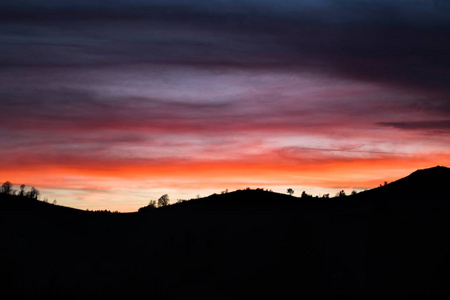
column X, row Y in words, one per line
column 391, row 241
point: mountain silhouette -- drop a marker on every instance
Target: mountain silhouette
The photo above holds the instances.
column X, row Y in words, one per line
column 389, row 241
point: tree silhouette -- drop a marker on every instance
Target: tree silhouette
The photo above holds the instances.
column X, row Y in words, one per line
column 33, row 193
column 151, row 205
column 163, row 200
column 22, row 190
column 341, row 194
column 290, row 191
column 7, row 187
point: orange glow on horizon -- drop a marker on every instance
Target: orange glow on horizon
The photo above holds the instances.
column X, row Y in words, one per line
column 199, row 176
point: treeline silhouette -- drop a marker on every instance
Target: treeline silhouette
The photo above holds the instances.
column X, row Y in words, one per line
column 7, row 188
column 33, row 193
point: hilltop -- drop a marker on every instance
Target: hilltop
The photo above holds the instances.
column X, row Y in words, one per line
column 240, row 245
column 432, row 181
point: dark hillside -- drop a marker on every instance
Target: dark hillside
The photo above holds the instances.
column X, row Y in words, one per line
column 247, row 244
column 433, row 182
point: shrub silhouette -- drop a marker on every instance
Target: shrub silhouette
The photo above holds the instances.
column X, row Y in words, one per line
column 306, row 196
column 151, row 205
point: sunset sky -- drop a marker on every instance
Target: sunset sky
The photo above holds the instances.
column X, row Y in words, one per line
column 107, row 106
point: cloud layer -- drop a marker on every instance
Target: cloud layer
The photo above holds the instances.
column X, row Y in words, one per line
column 181, row 92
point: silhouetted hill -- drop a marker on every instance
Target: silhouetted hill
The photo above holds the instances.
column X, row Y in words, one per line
column 21, row 204
column 389, row 241
column 249, row 197
column 432, row 182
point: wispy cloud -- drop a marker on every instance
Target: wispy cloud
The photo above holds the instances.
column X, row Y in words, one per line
column 436, row 126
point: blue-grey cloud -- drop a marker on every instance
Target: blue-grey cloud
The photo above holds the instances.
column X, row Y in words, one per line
column 400, row 42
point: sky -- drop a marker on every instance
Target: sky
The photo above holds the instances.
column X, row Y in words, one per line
column 110, row 104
